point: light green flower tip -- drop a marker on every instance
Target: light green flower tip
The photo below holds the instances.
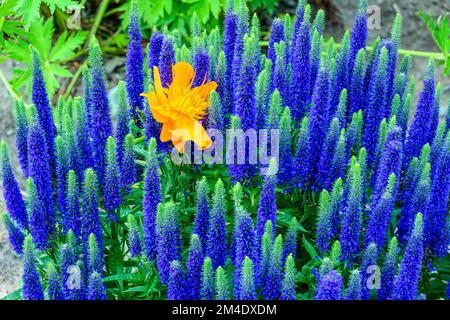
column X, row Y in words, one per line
column 273, row 167
column 237, row 194
column 418, row 224
column 335, row 252
column 268, row 227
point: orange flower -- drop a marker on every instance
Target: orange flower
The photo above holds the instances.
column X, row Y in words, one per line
column 180, row 107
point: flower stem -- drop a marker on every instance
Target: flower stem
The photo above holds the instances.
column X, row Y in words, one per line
column 7, row 85
column 74, row 80
column 414, row 53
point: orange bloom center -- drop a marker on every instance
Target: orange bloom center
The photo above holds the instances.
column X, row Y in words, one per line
column 180, row 107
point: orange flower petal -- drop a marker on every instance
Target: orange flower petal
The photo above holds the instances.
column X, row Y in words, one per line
column 182, row 76
column 180, row 106
column 166, row 131
column 190, row 129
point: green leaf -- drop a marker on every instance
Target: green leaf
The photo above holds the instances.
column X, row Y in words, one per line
column 15, row 295
column 124, row 277
column 440, row 29
column 28, row 10
column 310, row 249
column 65, row 46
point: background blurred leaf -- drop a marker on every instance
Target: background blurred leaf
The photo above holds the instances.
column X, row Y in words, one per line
column 440, row 29
column 53, row 55
column 29, row 10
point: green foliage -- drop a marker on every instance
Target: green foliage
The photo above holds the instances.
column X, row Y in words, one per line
column 174, row 13
column 30, row 10
column 8, row 27
column 54, row 54
column 440, row 29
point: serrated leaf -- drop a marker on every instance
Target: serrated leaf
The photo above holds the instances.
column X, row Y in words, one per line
column 28, row 10
column 41, row 35
column 65, row 46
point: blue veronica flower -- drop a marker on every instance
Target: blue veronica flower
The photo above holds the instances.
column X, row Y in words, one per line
column 356, row 89
column 128, row 166
column 101, row 127
column 207, row 285
column 435, row 224
column 112, row 195
column 324, row 223
column 221, row 285
column 32, row 287
column 95, row 256
column 247, row 284
column 62, row 168
column 417, row 203
column 39, row 96
column 152, row 196
column 176, row 284
column 380, row 214
column 325, row 161
column 15, row 234
column 216, row 239
column 194, row 265
column 201, row 66
column 316, row 131
column 368, row 263
column 154, row 50
column 134, row 238
column 276, row 35
column 166, row 61
column 389, row 271
column 288, row 284
column 20, row 118
column 359, row 33
column 11, row 192
column 96, row 287
column 330, row 287
column 123, row 120
column 54, row 289
column 272, row 284
column 90, row 218
column 407, row 281
column 70, row 218
column 201, row 224
column 376, row 96
column 39, row 170
column 351, row 219
column 301, row 71
column 267, row 209
column 134, row 75
column 419, row 131
column 290, row 244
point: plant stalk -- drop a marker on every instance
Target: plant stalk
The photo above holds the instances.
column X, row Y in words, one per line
column 414, row 53
column 7, row 85
column 98, row 19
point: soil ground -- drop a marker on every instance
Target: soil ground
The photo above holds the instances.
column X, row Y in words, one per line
column 415, row 36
